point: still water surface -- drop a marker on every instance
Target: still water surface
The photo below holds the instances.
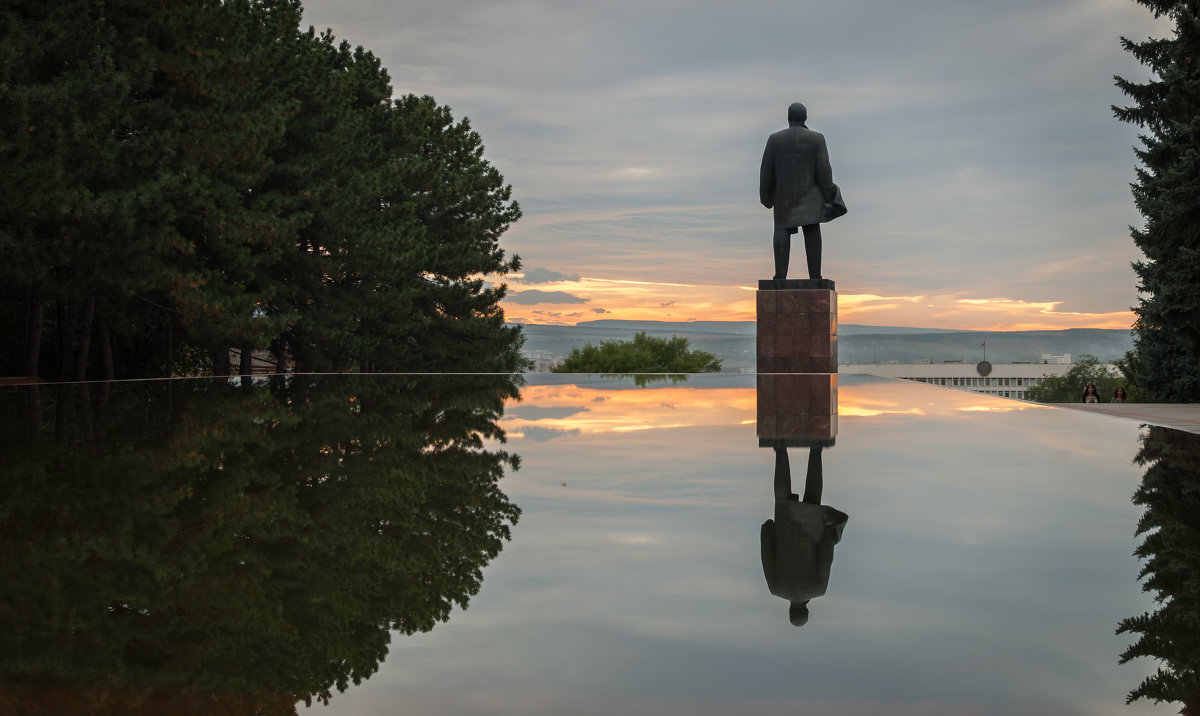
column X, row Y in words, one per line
column 209, row 545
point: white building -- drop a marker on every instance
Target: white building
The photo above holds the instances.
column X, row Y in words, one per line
column 1005, row 380
column 544, row 361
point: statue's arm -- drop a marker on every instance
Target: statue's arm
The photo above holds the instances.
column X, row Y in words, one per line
column 766, row 178
column 767, row 537
column 824, row 171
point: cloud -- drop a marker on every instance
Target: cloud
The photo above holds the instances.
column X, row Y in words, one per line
column 538, row 412
column 541, row 434
column 974, row 163
column 545, row 275
column 534, row 296
column 666, row 304
column 601, row 310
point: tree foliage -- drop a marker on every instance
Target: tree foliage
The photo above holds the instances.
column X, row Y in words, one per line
column 185, row 177
column 643, row 354
column 1167, row 193
column 1068, row 388
column 1170, row 553
column 165, row 542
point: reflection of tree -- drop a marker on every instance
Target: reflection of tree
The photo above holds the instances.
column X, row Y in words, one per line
column 1170, row 492
column 186, row 547
column 641, row 380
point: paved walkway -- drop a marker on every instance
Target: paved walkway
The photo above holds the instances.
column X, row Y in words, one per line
column 1171, row 415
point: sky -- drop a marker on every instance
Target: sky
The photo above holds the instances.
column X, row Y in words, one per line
column 974, row 143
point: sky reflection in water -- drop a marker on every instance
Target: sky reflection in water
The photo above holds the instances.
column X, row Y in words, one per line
column 983, row 569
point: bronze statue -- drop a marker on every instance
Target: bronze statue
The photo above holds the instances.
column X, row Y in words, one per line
column 797, row 182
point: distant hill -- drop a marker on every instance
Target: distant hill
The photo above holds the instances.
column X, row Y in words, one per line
column 607, row 324
column 733, row 341
column 737, row 327
column 1001, row 346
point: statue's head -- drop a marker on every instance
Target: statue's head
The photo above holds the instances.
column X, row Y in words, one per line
column 797, row 114
column 798, row 613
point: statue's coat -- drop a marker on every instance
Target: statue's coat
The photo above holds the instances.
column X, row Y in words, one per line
column 796, row 179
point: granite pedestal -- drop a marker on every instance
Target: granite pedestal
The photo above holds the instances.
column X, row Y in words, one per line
column 797, row 326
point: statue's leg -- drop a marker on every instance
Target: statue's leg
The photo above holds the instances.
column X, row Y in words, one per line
column 812, row 249
column 814, row 481
column 782, row 243
column 783, row 475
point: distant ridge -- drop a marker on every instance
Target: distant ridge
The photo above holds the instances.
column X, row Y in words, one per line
column 745, row 327
column 733, row 341
column 735, row 327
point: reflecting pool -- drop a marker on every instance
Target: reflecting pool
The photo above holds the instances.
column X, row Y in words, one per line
column 581, row 544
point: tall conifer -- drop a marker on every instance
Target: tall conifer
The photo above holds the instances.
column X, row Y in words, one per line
column 1166, row 358
column 185, row 177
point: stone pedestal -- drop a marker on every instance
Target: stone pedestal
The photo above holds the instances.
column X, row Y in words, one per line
column 797, row 326
column 798, row 410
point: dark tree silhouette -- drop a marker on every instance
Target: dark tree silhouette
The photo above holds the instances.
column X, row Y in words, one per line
column 1165, row 361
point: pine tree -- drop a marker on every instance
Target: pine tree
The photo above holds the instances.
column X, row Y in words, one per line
column 184, row 177
column 1167, row 193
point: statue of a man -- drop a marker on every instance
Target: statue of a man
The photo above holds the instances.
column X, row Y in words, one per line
column 797, row 182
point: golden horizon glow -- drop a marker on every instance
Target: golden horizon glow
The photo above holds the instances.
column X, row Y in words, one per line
column 638, row 410
column 1002, row 408
column 633, row 409
column 592, row 298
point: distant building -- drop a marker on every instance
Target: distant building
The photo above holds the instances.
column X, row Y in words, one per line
column 543, row 361
column 1004, row 380
column 1064, row 359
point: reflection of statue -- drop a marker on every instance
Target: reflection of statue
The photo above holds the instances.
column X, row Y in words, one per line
column 797, row 182
column 797, row 546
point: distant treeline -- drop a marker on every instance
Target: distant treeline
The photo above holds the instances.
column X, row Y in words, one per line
column 183, row 178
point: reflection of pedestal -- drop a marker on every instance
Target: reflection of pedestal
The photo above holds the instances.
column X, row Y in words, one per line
column 797, row 326
column 797, row 410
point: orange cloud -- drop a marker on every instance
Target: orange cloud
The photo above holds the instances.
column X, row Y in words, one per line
column 632, row 410
column 592, row 411
column 661, row 301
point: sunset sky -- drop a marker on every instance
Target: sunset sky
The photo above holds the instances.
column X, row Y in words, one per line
column 987, row 181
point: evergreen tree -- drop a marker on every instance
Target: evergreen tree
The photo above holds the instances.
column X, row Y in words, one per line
column 186, row 177
column 1167, row 193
